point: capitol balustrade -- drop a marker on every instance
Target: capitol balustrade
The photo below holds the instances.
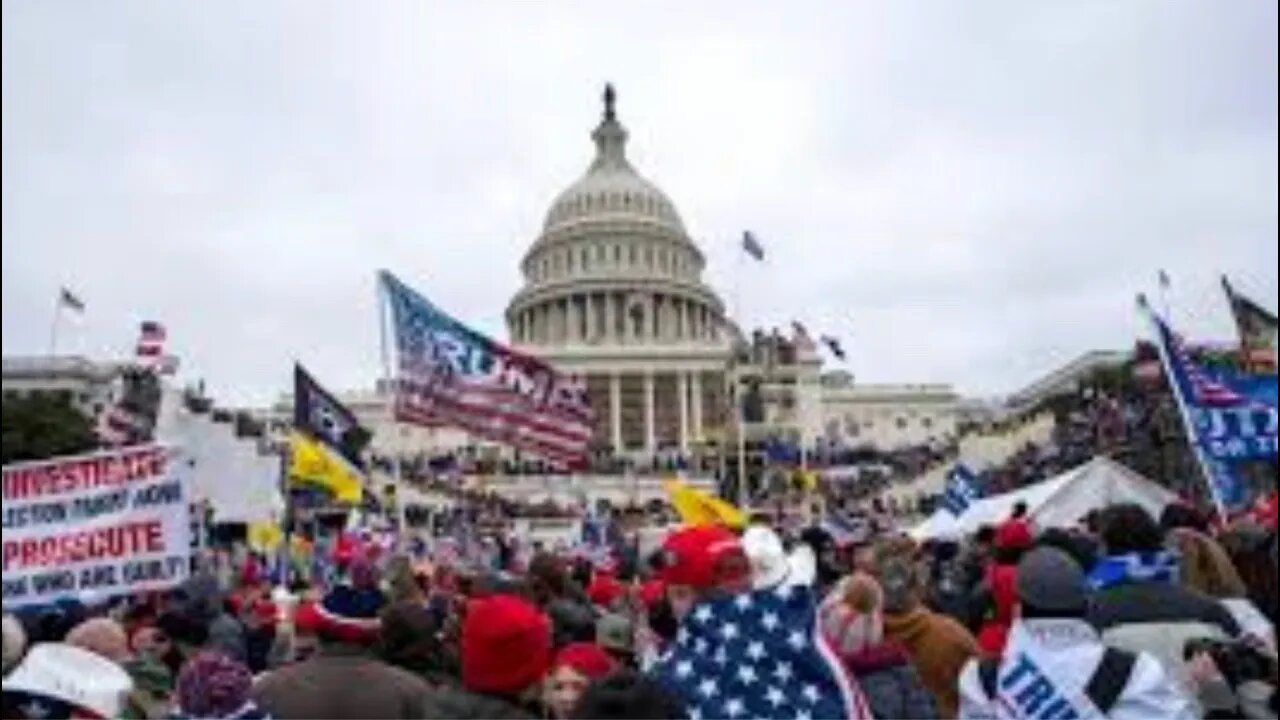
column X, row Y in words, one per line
column 561, row 490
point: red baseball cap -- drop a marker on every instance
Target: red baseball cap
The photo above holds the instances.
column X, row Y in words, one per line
column 702, row 557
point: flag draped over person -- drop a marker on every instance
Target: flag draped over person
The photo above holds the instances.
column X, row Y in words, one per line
column 757, row 655
column 326, row 441
column 450, row 374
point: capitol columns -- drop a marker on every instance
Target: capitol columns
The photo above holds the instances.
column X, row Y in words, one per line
column 682, row 379
column 615, row 412
column 650, row 445
column 696, row 391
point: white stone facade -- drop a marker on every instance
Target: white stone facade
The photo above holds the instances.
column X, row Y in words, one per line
column 90, row 385
column 613, row 291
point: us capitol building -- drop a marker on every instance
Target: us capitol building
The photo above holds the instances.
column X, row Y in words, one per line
column 613, row 290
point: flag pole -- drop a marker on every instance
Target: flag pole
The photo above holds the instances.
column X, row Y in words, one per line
column 53, row 327
column 739, row 414
column 1166, row 286
column 388, row 387
column 1187, row 424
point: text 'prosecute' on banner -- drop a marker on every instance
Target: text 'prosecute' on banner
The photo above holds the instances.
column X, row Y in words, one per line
column 103, row 524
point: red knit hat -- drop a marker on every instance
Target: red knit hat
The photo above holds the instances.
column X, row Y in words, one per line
column 605, row 589
column 651, row 592
column 703, row 557
column 506, row 645
column 589, row 659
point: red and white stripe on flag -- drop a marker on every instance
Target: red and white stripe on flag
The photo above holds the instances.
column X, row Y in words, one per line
column 151, row 340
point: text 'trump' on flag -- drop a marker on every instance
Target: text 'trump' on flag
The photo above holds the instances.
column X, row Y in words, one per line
column 448, row 374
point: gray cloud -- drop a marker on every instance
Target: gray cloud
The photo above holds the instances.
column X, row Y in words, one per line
column 968, row 193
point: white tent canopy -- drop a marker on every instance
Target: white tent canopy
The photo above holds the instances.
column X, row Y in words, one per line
column 1060, row 501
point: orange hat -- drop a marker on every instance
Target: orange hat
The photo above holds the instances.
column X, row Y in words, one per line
column 703, row 557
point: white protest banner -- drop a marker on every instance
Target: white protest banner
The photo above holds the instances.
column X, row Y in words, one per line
column 105, row 524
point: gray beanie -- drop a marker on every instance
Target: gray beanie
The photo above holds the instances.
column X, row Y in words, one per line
column 1050, row 580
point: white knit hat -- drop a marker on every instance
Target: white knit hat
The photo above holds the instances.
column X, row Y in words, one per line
column 770, row 564
column 72, row 675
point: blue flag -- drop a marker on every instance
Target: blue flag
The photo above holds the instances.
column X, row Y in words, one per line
column 961, row 490
column 1230, row 416
column 757, row 655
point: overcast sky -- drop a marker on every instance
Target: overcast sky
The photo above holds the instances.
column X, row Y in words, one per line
column 965, row 192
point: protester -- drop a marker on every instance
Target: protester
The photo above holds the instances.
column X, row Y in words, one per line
column 574, row 668
column 103, row 636
column 1252, row 549
column 995, row 595
column 343, row 679
column 153, row 686
column 1138, row 603
column 937, row 645
column 616, row 635
column 199, row 603
column 1206, row 568
column 212, row 685
column 852, row 622
column 506, row 649
column 1055, row 665
column 409, row 639
column 628, row 696
column 700, row 562
column 604, row 590
column 56, row 680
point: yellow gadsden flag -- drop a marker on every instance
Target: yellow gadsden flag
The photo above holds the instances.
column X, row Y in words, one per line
column 313, row 463
column 698, row 507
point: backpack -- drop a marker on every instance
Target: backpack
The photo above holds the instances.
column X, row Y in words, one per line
column 1104, row 686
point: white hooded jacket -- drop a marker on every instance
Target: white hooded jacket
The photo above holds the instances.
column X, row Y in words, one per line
column 1045, row 668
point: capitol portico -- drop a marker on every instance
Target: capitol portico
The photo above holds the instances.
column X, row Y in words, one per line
column 613, row 291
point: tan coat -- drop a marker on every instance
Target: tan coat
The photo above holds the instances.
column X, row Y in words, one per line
column 939, row 647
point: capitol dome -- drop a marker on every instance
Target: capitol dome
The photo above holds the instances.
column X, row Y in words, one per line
column 611, row 187
column 613, row 293
column 613, row 264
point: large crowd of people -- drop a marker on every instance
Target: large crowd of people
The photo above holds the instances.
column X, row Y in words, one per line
column 1124, row 615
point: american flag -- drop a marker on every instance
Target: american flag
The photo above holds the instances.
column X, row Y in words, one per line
column 1203, row 389
column 961, row 490
column 758, row 655
column 450, row 374
column 833, row 344
column 752, row 246
column 125, row 421
column 151, row 340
